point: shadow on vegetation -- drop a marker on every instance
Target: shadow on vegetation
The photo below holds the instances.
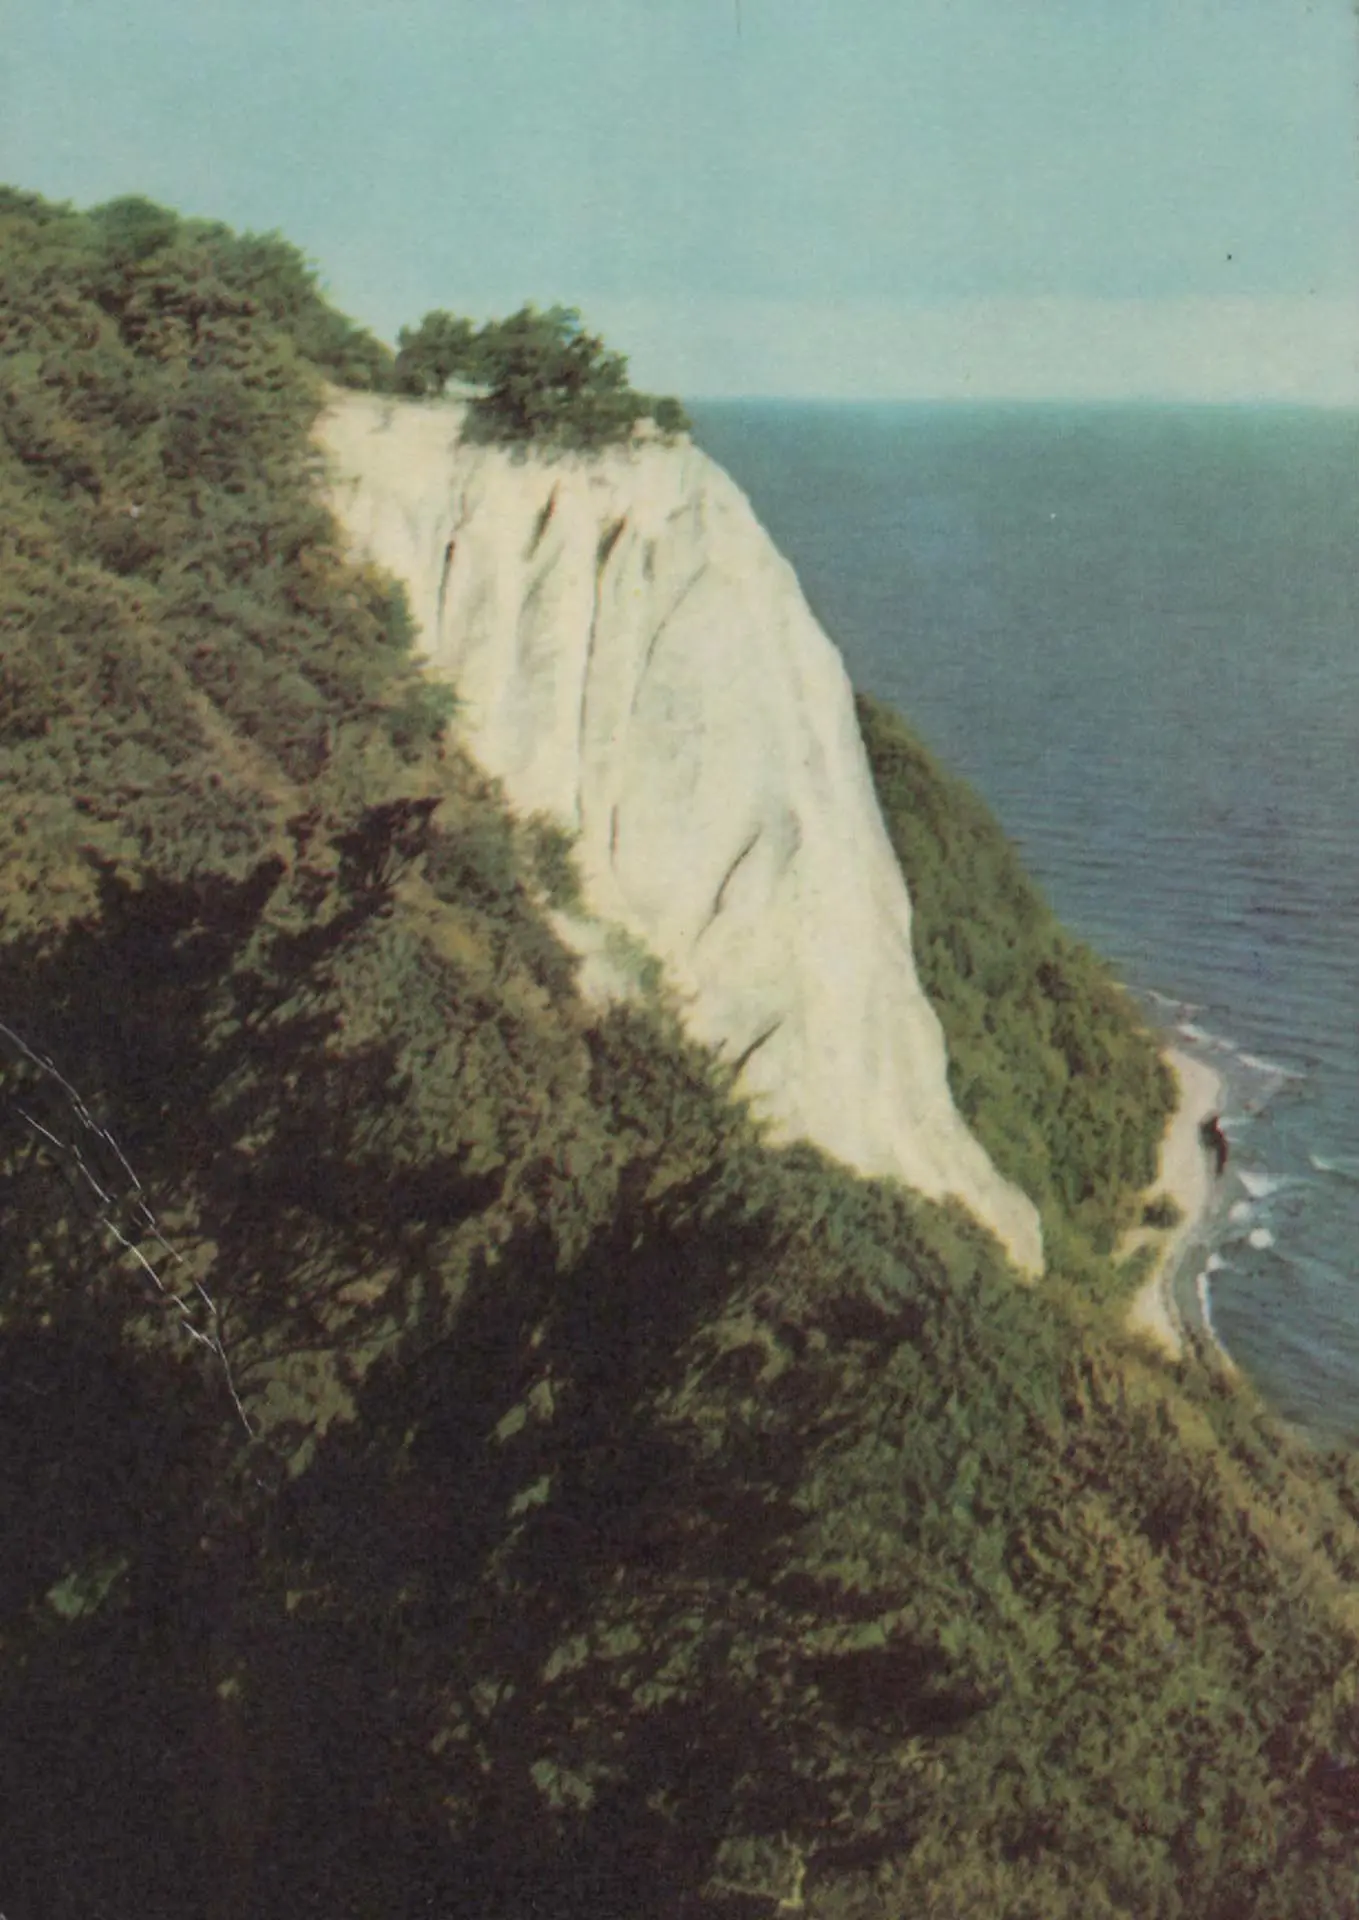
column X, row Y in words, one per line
column 347, row 1688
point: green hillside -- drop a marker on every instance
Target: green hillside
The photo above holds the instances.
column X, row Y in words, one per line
column 500, row 1483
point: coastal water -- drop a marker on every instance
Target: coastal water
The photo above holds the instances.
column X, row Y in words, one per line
column 1136, row 630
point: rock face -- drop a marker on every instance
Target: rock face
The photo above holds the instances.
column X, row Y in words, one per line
column 634, row 657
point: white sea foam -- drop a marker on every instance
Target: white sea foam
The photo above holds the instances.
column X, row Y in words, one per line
column 1215, row 1263
column 1260, row 1238
column 1255, row 1068
column 1201, row 1289
column 1340, row 1166
column 1182, row 1009
column 1274, row 1068
column 1260, row 1185
column 1239, row 1211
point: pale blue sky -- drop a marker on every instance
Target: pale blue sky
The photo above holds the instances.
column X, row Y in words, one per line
column 856, row 197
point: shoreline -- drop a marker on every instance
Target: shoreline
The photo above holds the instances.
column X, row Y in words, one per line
column 1183, row 1173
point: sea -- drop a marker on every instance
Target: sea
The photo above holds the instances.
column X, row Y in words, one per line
column 1135, row 629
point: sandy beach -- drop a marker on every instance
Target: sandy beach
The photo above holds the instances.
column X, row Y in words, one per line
column 1185, row 1173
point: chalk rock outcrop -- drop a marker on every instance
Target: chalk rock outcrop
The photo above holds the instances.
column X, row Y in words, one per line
column 634, row 657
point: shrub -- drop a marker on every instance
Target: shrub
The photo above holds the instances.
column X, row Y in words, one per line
column 552, row 861
column 420, row 714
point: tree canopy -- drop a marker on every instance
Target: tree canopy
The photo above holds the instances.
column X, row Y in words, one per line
column 542, row 379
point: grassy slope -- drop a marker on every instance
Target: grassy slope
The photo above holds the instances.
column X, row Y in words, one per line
column 643, row 1520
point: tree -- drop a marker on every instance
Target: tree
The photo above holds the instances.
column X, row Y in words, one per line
column 549, row 380
column 669, row 415
column 441, row 348
column 133, row 228
column 544, row 378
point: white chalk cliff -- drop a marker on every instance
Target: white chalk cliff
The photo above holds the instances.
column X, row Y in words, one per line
column 634, row 657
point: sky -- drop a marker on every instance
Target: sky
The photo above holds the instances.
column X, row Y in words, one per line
column 851, row 199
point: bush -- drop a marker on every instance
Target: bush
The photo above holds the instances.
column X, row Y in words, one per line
column 552, row 861
column 420, row 715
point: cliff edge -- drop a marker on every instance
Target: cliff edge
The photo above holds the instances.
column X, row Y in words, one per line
column 633, row 656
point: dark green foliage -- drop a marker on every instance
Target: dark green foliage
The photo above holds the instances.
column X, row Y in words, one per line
column 285, row 291
column 550, row 381
column 669, row 415
column 419, row 716
column 1161, row 1212
column 641, row 1520
column 545, row 380
column 553, row 865
column 662, row 1514
column 265, row 271
column 1047, row 1058
column 132, row 229
column 442, row 348
column 183, row 644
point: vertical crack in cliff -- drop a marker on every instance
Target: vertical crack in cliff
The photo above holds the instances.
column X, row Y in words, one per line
column 541, row 523
column 446, row 569
column 747, row 1054
column 719, row 898
column 661, row 626
column 608, row 541
column 444, row 572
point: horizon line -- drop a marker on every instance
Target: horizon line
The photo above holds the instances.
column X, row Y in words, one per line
column 1291, row 403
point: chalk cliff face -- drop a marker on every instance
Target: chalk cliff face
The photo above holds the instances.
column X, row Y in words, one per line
column 634, row 657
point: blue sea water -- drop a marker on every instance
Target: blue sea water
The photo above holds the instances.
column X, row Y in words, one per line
column 1136, row 630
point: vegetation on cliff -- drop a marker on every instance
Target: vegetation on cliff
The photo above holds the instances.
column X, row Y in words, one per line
column 637, row 1519
column 1048, row 1060
column 537, row 378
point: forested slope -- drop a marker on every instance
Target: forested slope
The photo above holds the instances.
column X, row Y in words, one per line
column 634, row 1519
column 1048, row 1062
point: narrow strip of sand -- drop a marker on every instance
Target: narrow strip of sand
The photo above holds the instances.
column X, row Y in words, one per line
column 1185, row 1175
